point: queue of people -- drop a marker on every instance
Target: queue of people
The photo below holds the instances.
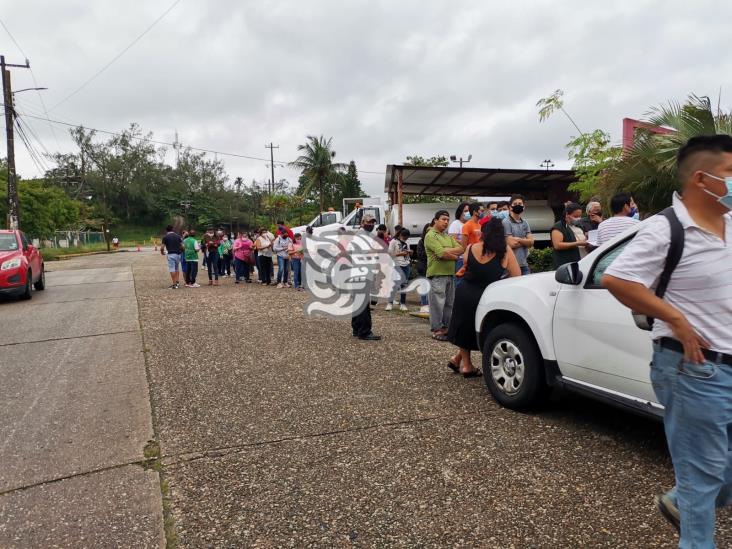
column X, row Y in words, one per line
column 247, row 254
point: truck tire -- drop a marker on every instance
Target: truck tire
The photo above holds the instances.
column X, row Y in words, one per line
column 40, row 284
column 513, row 368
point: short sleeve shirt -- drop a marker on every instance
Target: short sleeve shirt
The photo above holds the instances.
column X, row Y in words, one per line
column 455, row 229
column 700, row 286
column 435, row 244
column 172, row 242
column 472, row 229
column 519, row 229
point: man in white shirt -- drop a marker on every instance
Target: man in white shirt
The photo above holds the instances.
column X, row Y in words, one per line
column 691, row 370
column 623, row 209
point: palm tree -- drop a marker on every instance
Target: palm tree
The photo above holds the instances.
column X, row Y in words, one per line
column 316, row 163
column 648, row 170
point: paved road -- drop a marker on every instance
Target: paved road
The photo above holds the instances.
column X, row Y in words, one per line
column 280, row 430
column 75, row 414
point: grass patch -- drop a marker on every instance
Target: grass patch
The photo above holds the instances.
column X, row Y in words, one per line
column 51, row 254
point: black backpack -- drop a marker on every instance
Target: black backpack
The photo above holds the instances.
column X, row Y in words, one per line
column 675, row 250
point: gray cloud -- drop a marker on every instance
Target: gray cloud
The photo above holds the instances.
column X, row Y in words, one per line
column 384, row 79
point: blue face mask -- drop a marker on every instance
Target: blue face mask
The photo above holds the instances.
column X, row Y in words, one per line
column 725, row 200
column 467, row 216
column 494, row 213
column 634, row 213
column 503, row 214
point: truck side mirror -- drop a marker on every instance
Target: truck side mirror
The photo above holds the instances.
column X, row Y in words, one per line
column 569, row 273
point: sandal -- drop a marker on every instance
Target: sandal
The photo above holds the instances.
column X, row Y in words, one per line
column 475, row 373
column 439, row 337
column 454, row 367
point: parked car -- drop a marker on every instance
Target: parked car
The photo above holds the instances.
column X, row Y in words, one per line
column 21, row 264
column 563, row 329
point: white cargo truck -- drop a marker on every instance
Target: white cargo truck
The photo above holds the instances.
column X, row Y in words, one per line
column 538, row 214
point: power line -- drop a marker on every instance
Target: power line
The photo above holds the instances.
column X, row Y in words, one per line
column 166, row 143
column 33, row 76
column 116, row 57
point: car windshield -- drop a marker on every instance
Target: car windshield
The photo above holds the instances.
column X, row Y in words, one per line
column 8, row 242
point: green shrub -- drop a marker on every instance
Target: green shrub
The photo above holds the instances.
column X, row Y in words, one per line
column 541, row 260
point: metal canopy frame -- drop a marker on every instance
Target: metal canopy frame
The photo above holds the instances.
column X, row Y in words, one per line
column 454, row 181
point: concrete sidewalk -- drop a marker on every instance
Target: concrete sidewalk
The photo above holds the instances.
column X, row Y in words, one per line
column 75, row 415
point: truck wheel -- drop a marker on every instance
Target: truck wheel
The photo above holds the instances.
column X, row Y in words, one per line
column 512, row 367
column 27, row 290
column 40, row 284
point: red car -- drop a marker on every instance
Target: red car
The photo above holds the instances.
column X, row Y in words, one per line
column 21, row 264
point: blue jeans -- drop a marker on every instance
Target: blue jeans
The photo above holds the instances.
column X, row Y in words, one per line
column 525, row 270
column 283, row 267
column 297, row 273
column 402, row 296
column 698, row 424
column 241, row 269
column 458, row 266
column 213, row 265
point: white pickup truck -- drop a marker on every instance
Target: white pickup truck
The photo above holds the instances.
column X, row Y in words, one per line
column 563, row 329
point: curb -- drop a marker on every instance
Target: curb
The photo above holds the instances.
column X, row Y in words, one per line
column 83, row 254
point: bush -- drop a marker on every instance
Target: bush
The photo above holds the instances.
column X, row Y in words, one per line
column 541, row 260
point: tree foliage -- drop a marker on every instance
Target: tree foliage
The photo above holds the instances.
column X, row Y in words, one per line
column 648, row 170
column 320, row 173
column 43, row 208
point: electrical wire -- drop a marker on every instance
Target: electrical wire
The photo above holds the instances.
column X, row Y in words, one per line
column 116, row 57
column 31, row 151
column 165, row 143
column 33, row 76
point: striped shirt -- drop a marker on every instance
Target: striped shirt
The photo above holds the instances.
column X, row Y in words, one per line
column 612, row 227
column 700, row 287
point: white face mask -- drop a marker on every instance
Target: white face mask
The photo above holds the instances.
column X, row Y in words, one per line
column 725, row 200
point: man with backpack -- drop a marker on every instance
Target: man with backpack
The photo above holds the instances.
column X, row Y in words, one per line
column 685, row 254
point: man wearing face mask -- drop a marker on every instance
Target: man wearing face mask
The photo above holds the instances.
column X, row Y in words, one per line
column 518, row 233
column 623, row 209
column 691, row 370
column 503, row 210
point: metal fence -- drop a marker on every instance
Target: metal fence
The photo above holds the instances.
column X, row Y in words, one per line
column 68, row 239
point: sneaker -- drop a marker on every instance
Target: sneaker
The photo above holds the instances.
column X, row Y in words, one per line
column 194, row 285
column 403, row 308
column 424, row 309
column 171, row 287
column 388, row 307
column 669, row 511
column 189, row 286
column 280, row 285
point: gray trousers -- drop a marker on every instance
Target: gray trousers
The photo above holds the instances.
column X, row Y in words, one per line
column 442, row 295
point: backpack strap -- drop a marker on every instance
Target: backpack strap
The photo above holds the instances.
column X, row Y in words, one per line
column 675, row 250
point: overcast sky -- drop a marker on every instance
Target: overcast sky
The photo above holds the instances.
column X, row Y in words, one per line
column 385, row 79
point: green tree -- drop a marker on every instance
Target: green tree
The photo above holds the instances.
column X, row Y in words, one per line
column 316, row 162
column 648, row 170
column 432, row 161
column 44, row 209
column 593, row 154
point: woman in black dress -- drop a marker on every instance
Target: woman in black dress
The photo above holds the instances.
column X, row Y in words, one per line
column 486, row 262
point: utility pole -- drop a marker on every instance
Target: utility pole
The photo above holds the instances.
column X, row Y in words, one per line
column 13, row 221
column 176, row 146
column 271, row 148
